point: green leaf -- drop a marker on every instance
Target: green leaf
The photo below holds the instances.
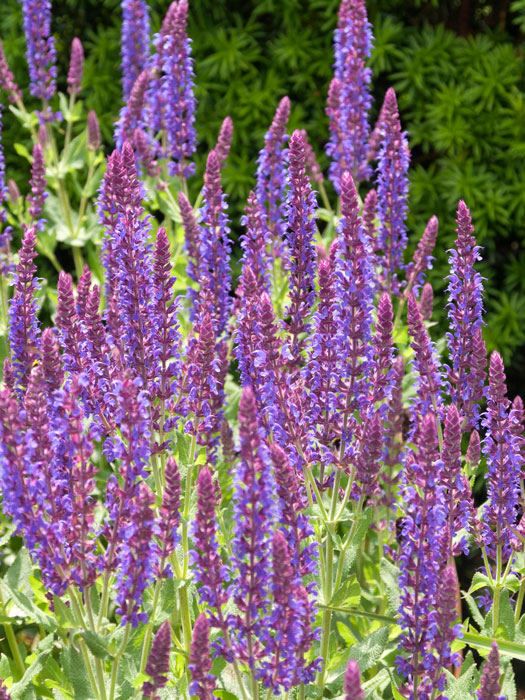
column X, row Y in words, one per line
column 76, row 673
column 349, row 594
column 24, row 607
column 19, row 690
column 368, row 652
column 17, row 576
column 22, row 151
column 479, row 641
column 390, row 577
column 363, row 526
column 479, row 580
column 63, row 614
column 506, row 616
column 464, row 686
column 96, row 643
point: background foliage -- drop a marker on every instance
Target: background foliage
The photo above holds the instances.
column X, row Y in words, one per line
column 458, row 69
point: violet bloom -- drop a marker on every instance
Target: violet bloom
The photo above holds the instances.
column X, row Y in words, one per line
column 371, row 451
column 210, row 573
column 51, row 360
column 172, row 103
column 448, row 626
column 203, row 683
column 255, row 242
column 169, row 515
column 224, row 141
column 40, row 48
column 490, row 688
column 131, row 115
column 467, row 372
column 501, row 448
column 381, row 378
column 421, row 560
column 301, row 207
column 352, row 48
column 158, row 665
column 474, row 450
column 254, row 512
column 134, row 42
column 24, row 328
column 460, row 505
column 271, row 171
column 426, row 302
column 425, row 362
column 415, row 272
column 354, row 285
column 7, row 79
column 93, row 131
column 313, row 168
column 214, row 245
column 76, row 67
column 38, row 186
column 392, row 193
column 352, row 684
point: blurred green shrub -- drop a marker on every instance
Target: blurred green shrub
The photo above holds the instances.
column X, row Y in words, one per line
column 462, row 100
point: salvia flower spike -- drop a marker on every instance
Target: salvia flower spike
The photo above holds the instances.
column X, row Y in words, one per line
column 135, row 39
column 40, row 48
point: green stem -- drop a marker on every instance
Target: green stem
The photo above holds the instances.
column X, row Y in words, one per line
column 98, row 685
column 116, row 661
column 84, row 198
column 13, row 645
column 67, row 138
column 354, row 612
column 519, row 602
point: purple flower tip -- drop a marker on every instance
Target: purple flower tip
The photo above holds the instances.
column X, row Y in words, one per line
column 352, row 683
column 76, row 67
column 158, row 664
column 200, row 663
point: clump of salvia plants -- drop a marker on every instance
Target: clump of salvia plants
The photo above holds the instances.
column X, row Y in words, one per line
column 278, row 485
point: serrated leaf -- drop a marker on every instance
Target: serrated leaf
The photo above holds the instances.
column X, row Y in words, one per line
column 464, row 686
column 506, row 616
column 479, row 581
column 63, row 614
column 19, row 690
column 349, row 594
column 24, row 607
column 474, row 610
column 508, row 684
column 368, row 652
column 390, row 576
column 96, row 643
column 76, row 673
column 363, row 526
column 17, row 576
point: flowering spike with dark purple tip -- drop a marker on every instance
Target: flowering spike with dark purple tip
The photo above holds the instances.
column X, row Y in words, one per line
column 145, row 153
column 224, row 141
column 158, row 665
column 466, row 373
column 40, row 48
column 368, row 463
column 271, row 171
column 352, row 47
column 502, row 450
column 7, row 79
column 254, row 511
column 255, row 242
column 425, row 362
column 93, row 131
column 51, row 363
column 131, row 114
column 421, row 558
column 458, row 494
column 214, row 245
column 301, row 206
column 352, row 683
column 354, row 284
column 209, row 569
column 448, row 631
column 369, row 218
column 383, row 344
column 172, row 104
column 76, row 67
column 474, row 449
column 169, row 516
column 24, row 330
column 415, row 272
column 312, row 166
column 38, row 185
column 374, row 142
column 426, row 302
column 490, row 688
column 203, row 683
column 134, row 42
column 392, row 194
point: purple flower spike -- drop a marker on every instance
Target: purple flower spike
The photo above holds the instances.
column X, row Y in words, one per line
column 460, row 504
column 301, row 206
column 76, row 67
column 169, row 516
column 467, row 372
column 447, row 616
column 4, row 693
column 313, row 168
column 474, row 449
column 24, row 328
column 383, row 348
column 208, row 567
column 501, row 448
column 38, row 186
column 158, row 665
column 131, row 114
column 425, row 362
column 355, row 288
column 368, row 465
column 271, row 171
column 51, row 363
column 392, row 193
column 40, row 48
column 374, row 142
column 214, row 245
column 369, row 219
column 255, row 242
column 93, row 131
column 172, row 104
column 203, row 683
column 415, row 272
column 134, row 41
column 490, row 688
column 426, row 302
column 7, row 79
column 352, row 685
column 224, row 141
column 349, row 136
